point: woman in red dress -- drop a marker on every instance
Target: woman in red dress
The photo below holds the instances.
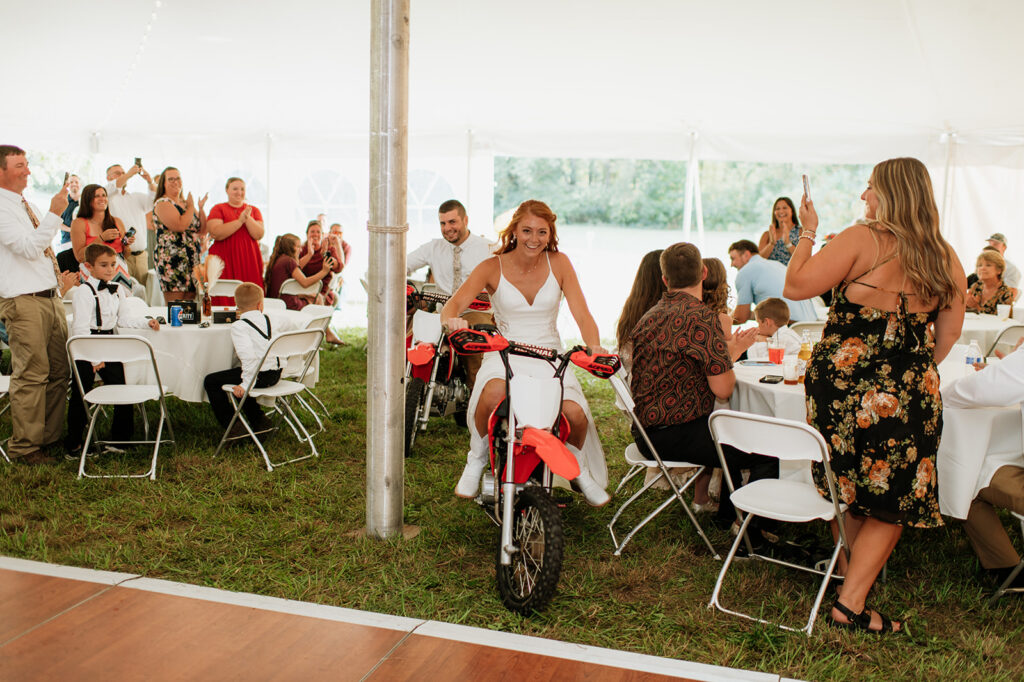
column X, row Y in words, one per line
column 237, row 228
column 311, row 258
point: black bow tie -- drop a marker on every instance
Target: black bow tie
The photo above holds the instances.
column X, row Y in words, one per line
column 109, row 286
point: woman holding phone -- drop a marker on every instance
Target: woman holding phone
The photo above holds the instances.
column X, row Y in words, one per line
column 872, row 384
column 314, row 253
column 94, row 223
column 237, row 228
column 284, row 264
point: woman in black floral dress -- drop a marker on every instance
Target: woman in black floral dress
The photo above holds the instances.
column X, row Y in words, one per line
column 180, row 229
column 872, row 384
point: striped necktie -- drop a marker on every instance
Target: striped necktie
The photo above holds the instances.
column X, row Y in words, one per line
column 48, row 251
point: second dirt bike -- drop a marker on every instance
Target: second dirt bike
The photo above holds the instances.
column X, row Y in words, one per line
column 435, row 379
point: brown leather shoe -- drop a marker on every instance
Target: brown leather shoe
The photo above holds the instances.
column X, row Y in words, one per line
column 35, row 458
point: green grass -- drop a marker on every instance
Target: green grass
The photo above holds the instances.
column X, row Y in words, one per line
column 292, row 533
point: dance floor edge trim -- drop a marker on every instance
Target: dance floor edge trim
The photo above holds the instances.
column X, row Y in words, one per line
column 428, row 628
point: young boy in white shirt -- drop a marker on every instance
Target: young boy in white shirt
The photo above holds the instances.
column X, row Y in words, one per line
column 250, row 334
column 772, row 316
column 98, row 308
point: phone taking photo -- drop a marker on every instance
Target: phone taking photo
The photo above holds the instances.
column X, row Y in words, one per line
column 67, row 176
column 138, row 161
column 807, row 187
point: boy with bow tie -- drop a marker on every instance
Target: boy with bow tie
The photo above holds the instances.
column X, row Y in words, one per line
column 98, row 308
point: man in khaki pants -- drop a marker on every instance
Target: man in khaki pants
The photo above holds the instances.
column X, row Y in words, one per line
column 1001, row 477
column 31, row 308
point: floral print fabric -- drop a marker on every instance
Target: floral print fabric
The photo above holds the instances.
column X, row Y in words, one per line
column 779, row 250
column 873, row 393
column 176, row 253
column 1003, row 296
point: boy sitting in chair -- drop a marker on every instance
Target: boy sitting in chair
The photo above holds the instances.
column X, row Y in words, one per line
column 773, row 321
column 250, row 335
column 98, row 308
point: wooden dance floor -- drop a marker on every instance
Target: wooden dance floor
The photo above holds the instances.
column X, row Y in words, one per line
column 63, row 623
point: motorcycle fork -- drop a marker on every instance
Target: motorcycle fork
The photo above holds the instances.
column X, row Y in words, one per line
column 429, row 399
column 508, row 494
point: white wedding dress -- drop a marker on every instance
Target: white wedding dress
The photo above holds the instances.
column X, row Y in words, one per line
column 536, row 324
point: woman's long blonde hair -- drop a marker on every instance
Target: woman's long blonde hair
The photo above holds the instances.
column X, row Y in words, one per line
column 906, row 207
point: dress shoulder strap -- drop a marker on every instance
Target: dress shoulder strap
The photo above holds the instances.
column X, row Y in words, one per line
column 877, row 264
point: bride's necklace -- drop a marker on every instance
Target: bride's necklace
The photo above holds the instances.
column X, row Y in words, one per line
column 524, row 272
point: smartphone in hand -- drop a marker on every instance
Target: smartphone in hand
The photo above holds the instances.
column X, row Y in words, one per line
column 807, row 187
column 67, row 176
column 138, row 161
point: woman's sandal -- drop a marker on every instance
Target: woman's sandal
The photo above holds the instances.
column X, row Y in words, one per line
column 861, row 621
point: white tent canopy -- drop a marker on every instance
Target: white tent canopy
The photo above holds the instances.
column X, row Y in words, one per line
column 279, row 92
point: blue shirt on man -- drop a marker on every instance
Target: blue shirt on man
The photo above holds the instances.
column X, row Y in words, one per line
column 760, row 279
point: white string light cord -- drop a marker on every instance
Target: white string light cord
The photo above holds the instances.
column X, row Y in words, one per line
column 116, row 101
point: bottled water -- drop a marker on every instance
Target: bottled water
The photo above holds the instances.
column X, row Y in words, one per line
column 973, row 356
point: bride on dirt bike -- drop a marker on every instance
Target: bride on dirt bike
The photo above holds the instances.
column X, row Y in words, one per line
column 526, row 280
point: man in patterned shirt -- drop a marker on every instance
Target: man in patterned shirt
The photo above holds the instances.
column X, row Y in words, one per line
column 681, row 363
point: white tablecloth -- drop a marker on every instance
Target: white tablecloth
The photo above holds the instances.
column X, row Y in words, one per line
column 984, row 329
column 186, row 354
column 968, row 435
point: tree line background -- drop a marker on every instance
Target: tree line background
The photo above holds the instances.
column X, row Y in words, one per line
column 736, row 196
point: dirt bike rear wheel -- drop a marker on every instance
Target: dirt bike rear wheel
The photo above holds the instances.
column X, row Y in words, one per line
column 414, row 392
column 529, row 582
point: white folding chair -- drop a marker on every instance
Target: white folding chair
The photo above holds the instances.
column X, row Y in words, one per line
column 293, row 288
column 225, row 287
column 1005, row 587
column 780, row 499
column 1006, row 340
column 125, row 349
column 815, row 329
column 274, row 304
column 301, row 343
column 638, row 463
column 319, row 321
column 5, row 404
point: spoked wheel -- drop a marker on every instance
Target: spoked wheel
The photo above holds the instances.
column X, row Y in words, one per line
column 529, row 582
column 414, row 391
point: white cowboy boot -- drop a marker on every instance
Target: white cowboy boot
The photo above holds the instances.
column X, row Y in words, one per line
column 595, row 495
column 469, row 483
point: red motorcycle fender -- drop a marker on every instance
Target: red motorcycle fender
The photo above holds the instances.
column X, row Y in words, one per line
column 553, row 452
column 451, row 366
column 421, row 354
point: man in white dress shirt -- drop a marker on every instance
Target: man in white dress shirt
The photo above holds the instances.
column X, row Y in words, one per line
column 31, row 308
column 451, row 259
column 1001, row 480
column 131, row 208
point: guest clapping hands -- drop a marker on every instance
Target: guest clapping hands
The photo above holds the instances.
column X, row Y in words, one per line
column 180, row 228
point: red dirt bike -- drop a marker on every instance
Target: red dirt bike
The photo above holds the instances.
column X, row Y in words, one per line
column 526, row 436
column 435, row 380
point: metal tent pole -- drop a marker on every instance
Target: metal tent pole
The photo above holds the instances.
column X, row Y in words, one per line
column 690, row 176
column 385, row 333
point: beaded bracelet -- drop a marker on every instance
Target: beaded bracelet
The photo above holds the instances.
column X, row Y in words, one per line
column 807, row 234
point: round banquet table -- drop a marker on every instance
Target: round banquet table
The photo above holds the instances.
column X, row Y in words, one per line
column 984, row 329
column 186, row 354
column 968, row 435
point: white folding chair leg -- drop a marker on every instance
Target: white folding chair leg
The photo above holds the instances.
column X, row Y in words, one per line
column 822, row 589
column 1005, row 588
column 316, row 399
column 240, row 418
column 633, row 471
column 157, row 440
column 312, row 412
column 7, row 404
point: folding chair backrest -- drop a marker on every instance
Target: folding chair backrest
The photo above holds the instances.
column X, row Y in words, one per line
column 274, row 304
column 318, row 310
column 1007, row 339
column 780, row 438
column 225, row 287
column 623, row 398
column 117, row 348
column 319, row 322
column 292, row 287
column 815, row 329
column 295, row 343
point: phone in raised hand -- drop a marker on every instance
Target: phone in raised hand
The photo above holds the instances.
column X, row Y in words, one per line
column 67, row 176
column 807, row 187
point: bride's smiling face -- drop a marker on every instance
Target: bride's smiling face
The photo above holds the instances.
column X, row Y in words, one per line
column 533, row 234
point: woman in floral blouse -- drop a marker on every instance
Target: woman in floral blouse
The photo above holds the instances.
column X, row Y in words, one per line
column 989, row 291
column 872, row 383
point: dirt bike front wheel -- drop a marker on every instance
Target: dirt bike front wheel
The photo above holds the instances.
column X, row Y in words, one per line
column 414, row 392
column 529, row 582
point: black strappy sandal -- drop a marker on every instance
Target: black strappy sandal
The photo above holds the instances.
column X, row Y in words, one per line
column 861, row 621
